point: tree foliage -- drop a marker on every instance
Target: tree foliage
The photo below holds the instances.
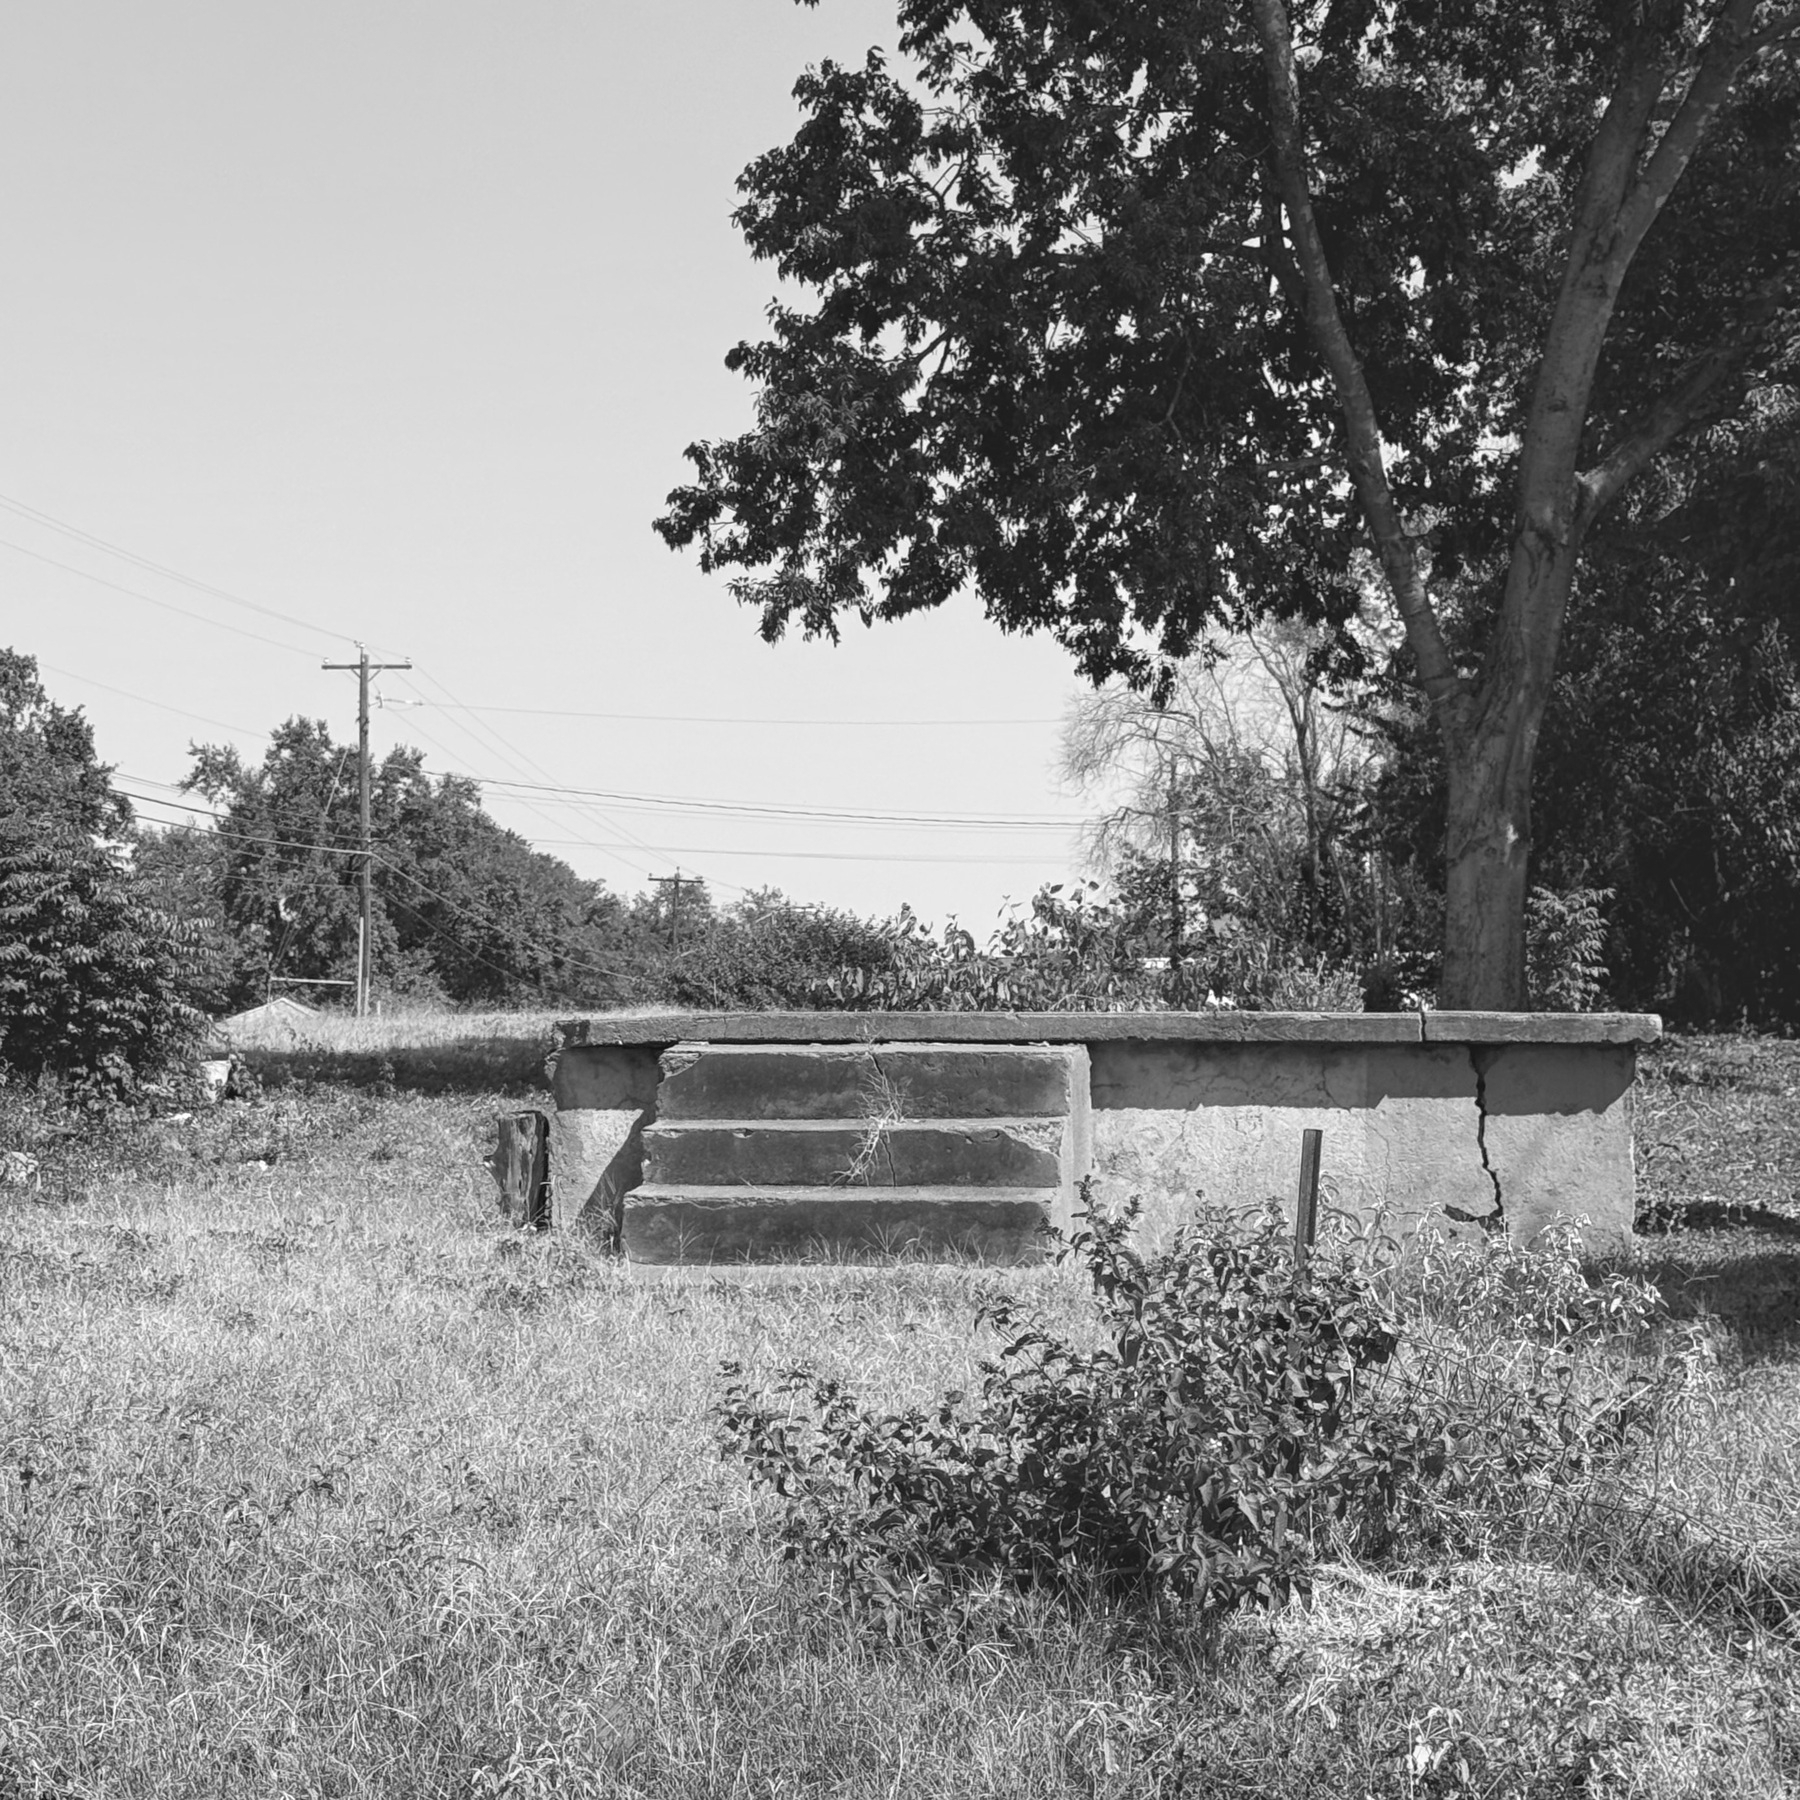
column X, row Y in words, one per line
column 98, row 985
column 1137, row 317
column 1669, row 771
column 465, row 910
column 766, row 952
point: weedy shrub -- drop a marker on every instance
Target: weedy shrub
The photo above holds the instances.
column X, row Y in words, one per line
column 1565, row 945
column 1233, row 1420
column 1196, row 1456
column 1545, row 1373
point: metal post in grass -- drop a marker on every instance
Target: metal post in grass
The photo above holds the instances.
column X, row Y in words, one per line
column 1306, row 1211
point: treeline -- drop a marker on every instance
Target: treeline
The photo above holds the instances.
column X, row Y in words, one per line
column 1270, row 835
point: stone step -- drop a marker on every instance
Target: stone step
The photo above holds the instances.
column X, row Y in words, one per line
column 853, row 1081
column 994, row 1153
column 666, row 1223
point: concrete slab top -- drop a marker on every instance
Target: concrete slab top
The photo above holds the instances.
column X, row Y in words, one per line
column 1541, row 1028
column 1222, row 1027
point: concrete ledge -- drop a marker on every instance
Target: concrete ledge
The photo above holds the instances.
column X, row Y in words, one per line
column 1221, row 1027
column 666, row 1029
column 1541, row 1028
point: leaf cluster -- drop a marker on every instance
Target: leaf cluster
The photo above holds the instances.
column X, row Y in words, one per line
column 1195, row 1457
column 1229, row 1419
column 98, row 984
column 1055, row 349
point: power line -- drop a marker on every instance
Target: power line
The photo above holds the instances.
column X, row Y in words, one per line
column 463, row 910
column 557, row 712
column 156, row 568
column 822, row 814
column 613, row 851
column 661, row 849
column 518, row 759
column 817, row 856
column 180, row 712
column 151, row 599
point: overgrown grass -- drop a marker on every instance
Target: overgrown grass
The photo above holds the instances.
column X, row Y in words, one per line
column 317, row 1479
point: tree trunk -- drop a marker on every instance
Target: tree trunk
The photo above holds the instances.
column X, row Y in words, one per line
column 1487, row 852
column 1491, row 745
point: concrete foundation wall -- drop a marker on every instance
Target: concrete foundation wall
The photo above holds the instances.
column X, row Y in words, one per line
column 1454, row 1118
column 1447, row 1132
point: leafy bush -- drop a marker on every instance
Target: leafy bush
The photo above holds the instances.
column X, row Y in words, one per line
column 1565, row 940
column 95, row 984
column 777, row 955
column 1068, row 952
column 1073, row 950
column 1235, row 1420
column 1528, row 1358
column 1197, row 1455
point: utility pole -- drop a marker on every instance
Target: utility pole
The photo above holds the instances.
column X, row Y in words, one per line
column 364, row 935
column 675, row 881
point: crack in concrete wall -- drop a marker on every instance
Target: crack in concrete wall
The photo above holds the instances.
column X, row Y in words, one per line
column 1478, row 1060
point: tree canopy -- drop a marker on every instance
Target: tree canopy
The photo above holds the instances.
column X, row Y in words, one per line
column 467, row 910
column 1139, row 318
column 98, row 984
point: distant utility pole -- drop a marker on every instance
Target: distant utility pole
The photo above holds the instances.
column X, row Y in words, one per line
column 676, row 880
column 364, row 935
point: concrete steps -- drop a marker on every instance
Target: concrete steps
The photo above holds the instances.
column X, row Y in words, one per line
column 791, row 1153
column 691, row 1224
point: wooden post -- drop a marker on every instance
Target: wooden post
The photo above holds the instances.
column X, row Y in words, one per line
column 521, row 1165
column 1306, row 1211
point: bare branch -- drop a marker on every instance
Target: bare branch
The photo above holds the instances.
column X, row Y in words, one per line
column 1362, row 433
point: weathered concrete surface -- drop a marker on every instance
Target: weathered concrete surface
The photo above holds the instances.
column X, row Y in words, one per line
column 1401, row 1128
column 664, row 1029
column 831, row 1153
column 1440, row 1116
column 1540, row 1028
column 926, row 1081
column 620, row 1076
column 803, row 1224
column 596, row 1158
column 1557, row 1134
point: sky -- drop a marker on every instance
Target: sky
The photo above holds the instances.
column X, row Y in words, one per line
column 392, row 320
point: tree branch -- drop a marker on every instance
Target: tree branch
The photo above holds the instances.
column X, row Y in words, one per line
column 1673, row 411
column 1778, row 30
column 1362, row 432
column 1728, row 46
column 1592, row 274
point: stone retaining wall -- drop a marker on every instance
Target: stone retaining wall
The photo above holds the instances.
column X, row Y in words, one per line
column 1440, row 1116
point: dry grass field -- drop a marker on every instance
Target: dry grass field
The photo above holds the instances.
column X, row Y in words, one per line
column 317, row 1480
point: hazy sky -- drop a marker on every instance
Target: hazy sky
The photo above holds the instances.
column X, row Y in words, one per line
column 394, row 317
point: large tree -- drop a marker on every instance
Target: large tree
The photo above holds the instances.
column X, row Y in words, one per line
column 1138, row 317
column 464, row 908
